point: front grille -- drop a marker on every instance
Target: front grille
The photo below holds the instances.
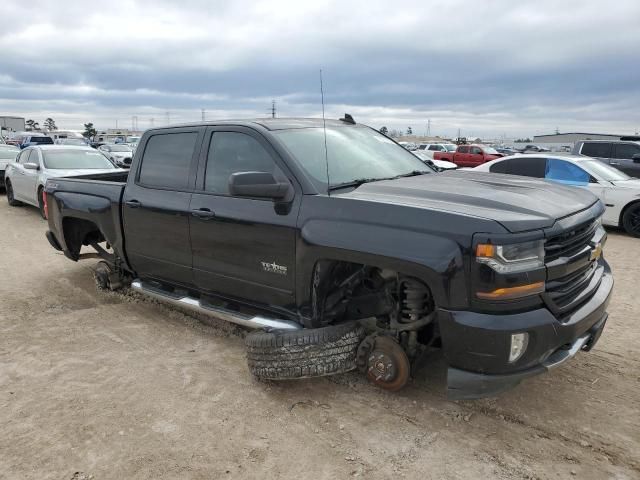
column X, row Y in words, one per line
column 569, row 243
column 127, row 161
column 566, row 292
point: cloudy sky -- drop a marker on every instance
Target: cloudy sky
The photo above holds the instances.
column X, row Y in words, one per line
column 490, row 68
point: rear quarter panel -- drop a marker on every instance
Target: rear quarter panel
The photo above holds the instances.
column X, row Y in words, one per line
column 90, row 200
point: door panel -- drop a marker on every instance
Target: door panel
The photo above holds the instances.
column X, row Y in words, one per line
column 247, row 249
column 156, row 206
column 31, row 179
column 20, row 178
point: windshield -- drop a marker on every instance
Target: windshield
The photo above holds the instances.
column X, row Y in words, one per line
column 491, row 151
column 41, row 140
column 75, row 159
column 352, row 153
column 450, row 147
column 605, row 172
column 119, row 148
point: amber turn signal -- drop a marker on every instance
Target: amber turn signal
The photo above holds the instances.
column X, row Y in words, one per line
column 508, row 293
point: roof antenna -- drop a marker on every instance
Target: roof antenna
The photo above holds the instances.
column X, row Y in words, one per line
column 324, row 128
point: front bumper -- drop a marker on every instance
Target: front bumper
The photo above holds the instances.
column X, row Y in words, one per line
column 476, row 345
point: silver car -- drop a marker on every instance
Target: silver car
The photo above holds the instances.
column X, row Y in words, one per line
column 120, row 154
column 26, row 176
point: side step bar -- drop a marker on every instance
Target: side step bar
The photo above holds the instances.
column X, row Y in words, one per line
column 195, row 305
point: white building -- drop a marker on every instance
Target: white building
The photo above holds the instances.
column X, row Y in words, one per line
column 11, row 124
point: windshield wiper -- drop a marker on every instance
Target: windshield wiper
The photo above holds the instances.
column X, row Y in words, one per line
column 361, row 181
column 414, row 173
column 354, row 183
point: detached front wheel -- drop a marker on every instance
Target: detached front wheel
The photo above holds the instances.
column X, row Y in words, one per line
column 313, row 352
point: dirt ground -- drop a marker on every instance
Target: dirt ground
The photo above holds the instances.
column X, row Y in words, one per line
column 111, row 386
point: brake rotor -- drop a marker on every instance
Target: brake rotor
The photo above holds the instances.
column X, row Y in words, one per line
column 388, row 366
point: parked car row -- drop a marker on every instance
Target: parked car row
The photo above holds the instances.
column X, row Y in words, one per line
column 619, row 192
column 26, row 176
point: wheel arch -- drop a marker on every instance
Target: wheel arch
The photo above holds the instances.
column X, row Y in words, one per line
column 435, row 261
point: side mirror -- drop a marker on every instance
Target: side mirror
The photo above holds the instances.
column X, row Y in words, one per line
column 636, row 158
column 31, row 166
column 257, row 184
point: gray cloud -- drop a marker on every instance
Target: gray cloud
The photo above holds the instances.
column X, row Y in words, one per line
column 488, row 68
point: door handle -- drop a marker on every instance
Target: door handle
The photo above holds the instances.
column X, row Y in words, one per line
column 203, row 213
column 133, row 203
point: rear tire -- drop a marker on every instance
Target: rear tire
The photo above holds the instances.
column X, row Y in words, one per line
column 10, row 198
column 631, row 220
column 313, row 352
column 41, row 202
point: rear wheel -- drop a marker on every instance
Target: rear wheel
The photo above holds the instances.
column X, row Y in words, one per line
column 41, row 203
column 631, row 220
column 312, row 352
column 10, row 198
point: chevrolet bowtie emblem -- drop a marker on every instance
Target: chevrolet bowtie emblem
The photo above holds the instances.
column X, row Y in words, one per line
column 596, row 252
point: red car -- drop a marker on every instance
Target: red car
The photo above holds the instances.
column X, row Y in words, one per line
column 469, row 155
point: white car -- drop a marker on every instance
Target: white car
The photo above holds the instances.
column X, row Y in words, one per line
column 119, row 153
column 26, row 176
column 619, row 192
column 8, row 154
column 430, row 148
column 441, row 165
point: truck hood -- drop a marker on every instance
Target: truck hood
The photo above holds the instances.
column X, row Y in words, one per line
column 517, row 203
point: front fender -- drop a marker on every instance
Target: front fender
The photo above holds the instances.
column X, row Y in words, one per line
column 435, row 260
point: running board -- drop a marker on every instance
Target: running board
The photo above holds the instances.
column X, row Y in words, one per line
column 195, row 305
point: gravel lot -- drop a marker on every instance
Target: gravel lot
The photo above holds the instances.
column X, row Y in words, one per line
column 114, row 386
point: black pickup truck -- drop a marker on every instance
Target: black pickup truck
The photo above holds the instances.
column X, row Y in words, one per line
column 345, row 251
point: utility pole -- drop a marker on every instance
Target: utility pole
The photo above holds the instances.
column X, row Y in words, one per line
column 428, row 127
column 151, row 120
column 168, row 114
column 203, row 114
column 116, row 123
column 273, row 109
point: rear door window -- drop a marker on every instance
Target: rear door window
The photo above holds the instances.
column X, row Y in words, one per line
column 499, row 167
column 167, row 158
column 596, row 149
column 527, row 167
column 566, row 172
column 625, row 150
column 463, row 150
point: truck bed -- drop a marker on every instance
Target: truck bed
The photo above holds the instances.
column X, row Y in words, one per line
column 83, row 204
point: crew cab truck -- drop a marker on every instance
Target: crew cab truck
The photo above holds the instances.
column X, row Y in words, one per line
column 346, row 254
column 469, row 155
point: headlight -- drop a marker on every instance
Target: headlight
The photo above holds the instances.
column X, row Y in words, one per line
column 518, row 257
column 515, row 262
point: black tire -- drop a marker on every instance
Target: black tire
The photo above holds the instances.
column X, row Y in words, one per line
column 41, row 203
column 10, row 198
column 313, row 352
column 631, row 220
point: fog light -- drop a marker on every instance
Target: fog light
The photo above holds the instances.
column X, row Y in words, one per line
column 519, row 343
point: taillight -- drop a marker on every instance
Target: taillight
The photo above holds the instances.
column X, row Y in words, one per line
column 46, row 206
